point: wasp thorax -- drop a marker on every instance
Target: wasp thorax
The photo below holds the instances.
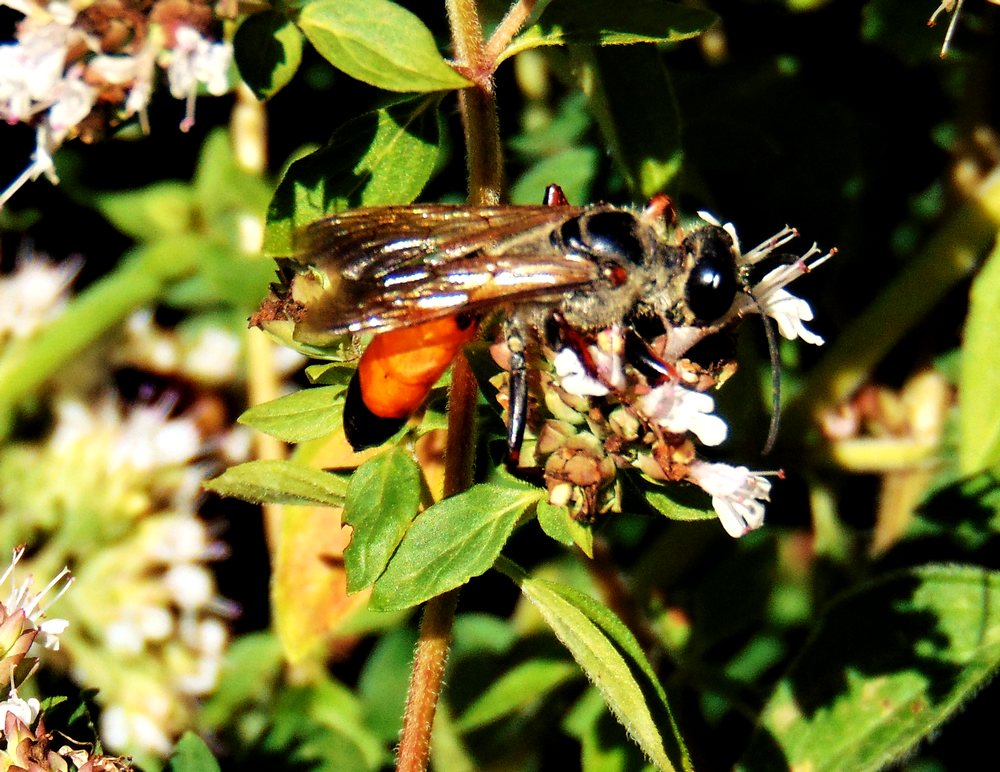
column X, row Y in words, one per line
column 712, row 283
column 608, row 235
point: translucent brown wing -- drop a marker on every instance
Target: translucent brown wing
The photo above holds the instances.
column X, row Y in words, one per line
column 402, row 265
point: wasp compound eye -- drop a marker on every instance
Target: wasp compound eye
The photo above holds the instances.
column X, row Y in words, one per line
column 712, row 284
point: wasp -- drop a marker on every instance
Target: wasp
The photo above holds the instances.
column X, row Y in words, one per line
column 422, row 277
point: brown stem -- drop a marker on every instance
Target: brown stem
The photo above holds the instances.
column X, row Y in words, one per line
column 485, row 166
column 509, row 26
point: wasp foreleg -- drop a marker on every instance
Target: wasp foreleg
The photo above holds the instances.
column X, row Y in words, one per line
column 517, row 394
column 644, row 359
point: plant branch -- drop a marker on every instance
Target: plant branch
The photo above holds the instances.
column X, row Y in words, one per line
column 485, row 166
column 508, row 27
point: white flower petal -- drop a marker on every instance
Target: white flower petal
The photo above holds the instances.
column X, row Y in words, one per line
column 680, row 410
column 573, row 377
column 737, row 494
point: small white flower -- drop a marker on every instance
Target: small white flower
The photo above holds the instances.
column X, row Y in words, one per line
column 790, row 312
column 26, row 711
column 680, row 410
column 606, row 354
column 34, row 294
column 72, row 101
column 737, row 494
column 194, row 60
column 573, row 376
column 21, row 598
column 769, row 295
column 190, row 586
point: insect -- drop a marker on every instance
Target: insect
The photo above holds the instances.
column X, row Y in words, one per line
column 422, row 277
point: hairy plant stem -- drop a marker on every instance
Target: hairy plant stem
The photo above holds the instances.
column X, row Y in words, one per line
column 485, row 167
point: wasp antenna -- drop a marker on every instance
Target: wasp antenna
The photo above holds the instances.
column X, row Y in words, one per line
column 772, row 350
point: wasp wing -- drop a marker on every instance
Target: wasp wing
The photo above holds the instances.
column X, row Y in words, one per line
column 396, row 266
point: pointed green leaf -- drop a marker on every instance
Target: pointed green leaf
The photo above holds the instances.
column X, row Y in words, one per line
column 638, row 116
column 268, row 50
column 383, row 157
column 451, row 542
column 887, row 665
column 600, row 23
column 279, row 482
column 146, row 214
column 516, row 689
column 555, row 522
column 613, row 660
column 378, row 42
column 979, row 419
column 678, row 505
column 383, row 497
column 252, row 665
column 192, row 755
column 303, row 415
column 225, row 192
column 574, row 169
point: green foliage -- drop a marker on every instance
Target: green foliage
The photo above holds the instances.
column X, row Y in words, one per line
column 596, row 23
column 300, row 416
column 451, row 542
column 383, row 157
column 281, row 482
column 980, row 382
column 268, row 49
column 382, row 501
column 885, row 666
column 378, row 42
column 192, row 755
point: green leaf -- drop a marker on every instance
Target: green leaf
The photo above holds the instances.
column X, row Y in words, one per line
column 613, row 660
column 979, row 390
column 251, row 667
column 886, row 666
column 382, row 157
column 383, row 681
column 680, row 504
column 225, row 192
column 383, row 497
column 378, row 42
column 516, row 689
column 600, row 23
column 451, row 542
column 192, row 755
column 604, row 746
column 572, row 169
column 303, row 415
column 320, row 727
column 279, row 482
column 268, row 50
column 637, row 115
column 150, row 213
column 555, row 522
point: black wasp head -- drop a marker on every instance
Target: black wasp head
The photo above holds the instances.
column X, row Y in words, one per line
column 712, row 283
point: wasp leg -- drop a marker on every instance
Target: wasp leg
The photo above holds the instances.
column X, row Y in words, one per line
column 517, row 394
column 642, row 358
column 554, row 196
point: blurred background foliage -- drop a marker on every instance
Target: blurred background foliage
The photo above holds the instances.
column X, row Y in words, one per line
column 839, row 118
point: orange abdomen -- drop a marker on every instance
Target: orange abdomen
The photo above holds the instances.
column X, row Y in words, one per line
column 400, row 367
